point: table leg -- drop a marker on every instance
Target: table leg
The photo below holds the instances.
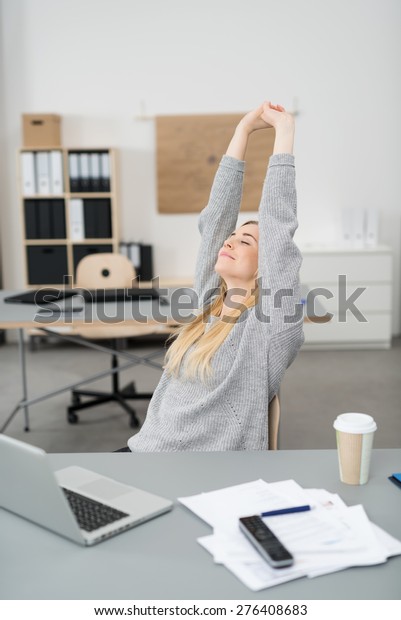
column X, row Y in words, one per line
column 23, row 376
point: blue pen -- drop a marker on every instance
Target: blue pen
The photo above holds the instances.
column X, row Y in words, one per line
column 286, row 511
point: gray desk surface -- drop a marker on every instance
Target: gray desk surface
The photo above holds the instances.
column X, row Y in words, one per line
column 16, row 315
column 161, row 558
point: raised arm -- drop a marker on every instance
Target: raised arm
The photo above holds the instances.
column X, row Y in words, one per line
column 279, row 257
column 218, row 219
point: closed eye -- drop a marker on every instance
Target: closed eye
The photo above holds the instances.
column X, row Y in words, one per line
column 246, row 242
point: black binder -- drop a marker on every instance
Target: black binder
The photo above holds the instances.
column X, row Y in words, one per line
column 58, row 219
column 145, row 271
column 44, row 219
column 31, row 219
column 97, row 218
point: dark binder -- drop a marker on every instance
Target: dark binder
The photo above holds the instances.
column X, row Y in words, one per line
column 44, row 219
column 58, row 217
column 104, row 218
column 97, row 218
column 31, row 219
column 90, row 218
column 145, row 271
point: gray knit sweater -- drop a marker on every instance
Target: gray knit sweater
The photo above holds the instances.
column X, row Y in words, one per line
column 229, row 411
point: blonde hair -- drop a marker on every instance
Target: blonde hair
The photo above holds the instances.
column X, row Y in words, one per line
column 199, row 344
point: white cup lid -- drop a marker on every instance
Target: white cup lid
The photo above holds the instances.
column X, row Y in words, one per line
column 355, row 423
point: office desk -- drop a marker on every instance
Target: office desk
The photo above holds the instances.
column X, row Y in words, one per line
column 134, row 314
column 130, row 314
column 161, row 559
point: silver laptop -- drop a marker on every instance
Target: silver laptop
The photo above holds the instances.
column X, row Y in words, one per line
column 74, row 502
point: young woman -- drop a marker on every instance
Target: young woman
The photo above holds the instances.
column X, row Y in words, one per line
column 227, row 364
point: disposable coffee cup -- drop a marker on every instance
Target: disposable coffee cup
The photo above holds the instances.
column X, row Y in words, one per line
column 355, row 432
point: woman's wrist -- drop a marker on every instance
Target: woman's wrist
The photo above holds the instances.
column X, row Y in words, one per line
column 284, row 139
column 238, row 144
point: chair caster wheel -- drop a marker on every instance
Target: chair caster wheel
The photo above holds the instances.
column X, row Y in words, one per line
column 134, row 422
column 72, row 417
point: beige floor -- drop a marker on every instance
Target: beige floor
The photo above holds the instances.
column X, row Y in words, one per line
column 317, row 387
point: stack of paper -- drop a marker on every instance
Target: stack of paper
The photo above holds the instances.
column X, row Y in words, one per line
column 326, row 539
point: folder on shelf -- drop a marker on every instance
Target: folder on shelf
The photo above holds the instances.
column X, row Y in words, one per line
column 28, row 174
column 44, row 219
column 77, row 230
column 31, row 219
column 43, row 173
column 97, row 218
column 73, row 169
column 94, row 172
column 372, row 228
column 134, row 254
column 56, row 172
column 146, row 268
column 358, row 216
column 84, row 185
column 103, row 218
column 89, row 215
column 58, row 219
column 105, row 172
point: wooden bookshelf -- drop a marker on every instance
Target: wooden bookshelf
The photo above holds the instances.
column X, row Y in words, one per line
column 52, row 241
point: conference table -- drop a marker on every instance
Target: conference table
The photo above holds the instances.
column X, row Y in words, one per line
column 161, row 559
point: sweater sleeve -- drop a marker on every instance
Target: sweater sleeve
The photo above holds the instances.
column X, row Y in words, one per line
column 279, row 305
column 216, row 222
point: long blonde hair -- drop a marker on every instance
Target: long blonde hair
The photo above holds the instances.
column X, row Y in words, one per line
column 203, row 344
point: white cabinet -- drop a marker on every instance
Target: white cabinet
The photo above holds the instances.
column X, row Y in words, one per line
column 361, row 276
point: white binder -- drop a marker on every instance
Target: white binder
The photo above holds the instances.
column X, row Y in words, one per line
column 43, row 173
column 84, row 172
column 134, row 254
column 346, row 220
column 353, row 224
column 73, row 169
column 358, row 225
column 28, row 174
column 77, row 226
column 56, row 172
column 105, row 172
column 94, row 171
column 372, row 228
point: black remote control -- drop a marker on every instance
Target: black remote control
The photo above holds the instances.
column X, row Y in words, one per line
column 264, row 541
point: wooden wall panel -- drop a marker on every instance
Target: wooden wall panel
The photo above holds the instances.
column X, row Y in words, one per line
column 189, row 149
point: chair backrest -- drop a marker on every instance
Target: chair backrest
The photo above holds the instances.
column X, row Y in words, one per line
column 273, row 422
column 105, row 270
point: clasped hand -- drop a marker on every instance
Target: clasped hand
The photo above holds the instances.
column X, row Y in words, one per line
column 267, row 115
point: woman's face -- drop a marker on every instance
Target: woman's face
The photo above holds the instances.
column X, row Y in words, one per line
column 238, row 258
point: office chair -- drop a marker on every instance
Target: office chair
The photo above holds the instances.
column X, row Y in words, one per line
column 108, row 271
column 274, row 422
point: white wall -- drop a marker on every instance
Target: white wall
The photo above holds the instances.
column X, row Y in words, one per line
column 100, row 63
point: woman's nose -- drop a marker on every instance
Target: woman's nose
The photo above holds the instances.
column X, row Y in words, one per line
column 228, row 244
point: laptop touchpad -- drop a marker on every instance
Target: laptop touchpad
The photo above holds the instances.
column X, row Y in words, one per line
column 105, row 489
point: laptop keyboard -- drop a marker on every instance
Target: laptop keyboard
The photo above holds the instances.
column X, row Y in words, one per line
column 90, row 514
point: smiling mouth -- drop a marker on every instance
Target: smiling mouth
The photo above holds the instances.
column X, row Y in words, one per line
column 226, row 255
